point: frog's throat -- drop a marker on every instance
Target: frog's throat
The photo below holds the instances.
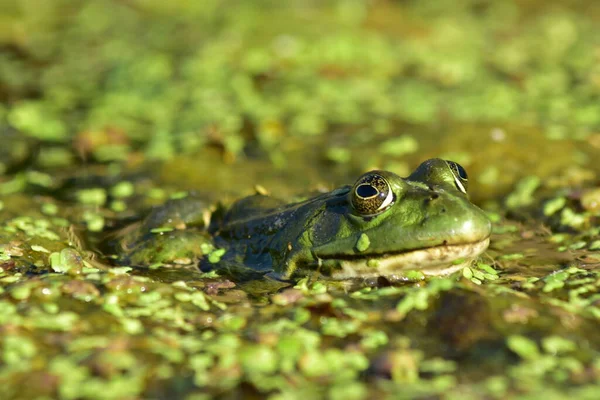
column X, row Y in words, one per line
column 433, row 261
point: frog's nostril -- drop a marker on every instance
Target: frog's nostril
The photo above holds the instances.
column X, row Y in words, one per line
column 433, row 196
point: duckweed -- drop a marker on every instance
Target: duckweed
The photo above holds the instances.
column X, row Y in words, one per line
column 523, row 194
column 122, row 189
column 526, row 348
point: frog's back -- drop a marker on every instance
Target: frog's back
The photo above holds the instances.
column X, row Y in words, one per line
column 264, row 230
column 251, row 208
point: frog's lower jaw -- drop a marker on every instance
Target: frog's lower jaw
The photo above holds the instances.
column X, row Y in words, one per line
column 440, row 260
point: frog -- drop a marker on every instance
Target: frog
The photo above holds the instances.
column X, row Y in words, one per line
column 382, row 225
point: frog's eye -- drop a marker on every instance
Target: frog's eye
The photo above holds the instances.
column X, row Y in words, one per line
column 460, row 176
column 372, row 194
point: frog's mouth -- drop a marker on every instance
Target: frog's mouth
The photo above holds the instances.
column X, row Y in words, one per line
column 432, row 261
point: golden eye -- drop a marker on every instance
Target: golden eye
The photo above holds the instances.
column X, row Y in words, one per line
column 372, row 194
column 461, row 179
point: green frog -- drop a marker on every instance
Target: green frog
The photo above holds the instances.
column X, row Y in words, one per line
column 381, row 226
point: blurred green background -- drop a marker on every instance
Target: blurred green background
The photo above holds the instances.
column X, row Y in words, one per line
column 329, row 87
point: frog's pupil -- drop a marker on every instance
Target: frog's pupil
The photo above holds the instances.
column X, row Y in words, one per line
column 461, row 172
column 366, row 191
column 458, row 170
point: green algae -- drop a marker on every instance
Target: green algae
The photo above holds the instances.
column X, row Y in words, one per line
column 266, row 78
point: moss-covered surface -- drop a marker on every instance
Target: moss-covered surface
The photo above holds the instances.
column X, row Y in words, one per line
column 109, row 107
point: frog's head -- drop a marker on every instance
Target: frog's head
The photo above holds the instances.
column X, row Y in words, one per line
column 424, row 222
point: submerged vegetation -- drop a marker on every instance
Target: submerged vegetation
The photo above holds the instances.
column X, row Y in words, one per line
column 110, row 107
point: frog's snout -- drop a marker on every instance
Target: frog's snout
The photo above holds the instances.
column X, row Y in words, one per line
column 456, row 218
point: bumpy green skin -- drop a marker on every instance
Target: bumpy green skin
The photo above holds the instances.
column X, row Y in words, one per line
column 428, row 210
column 172, row 232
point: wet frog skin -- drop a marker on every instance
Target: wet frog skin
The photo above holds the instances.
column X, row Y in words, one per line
column 382, row 225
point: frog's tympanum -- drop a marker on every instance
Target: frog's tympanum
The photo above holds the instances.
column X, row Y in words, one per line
column 382, row 225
